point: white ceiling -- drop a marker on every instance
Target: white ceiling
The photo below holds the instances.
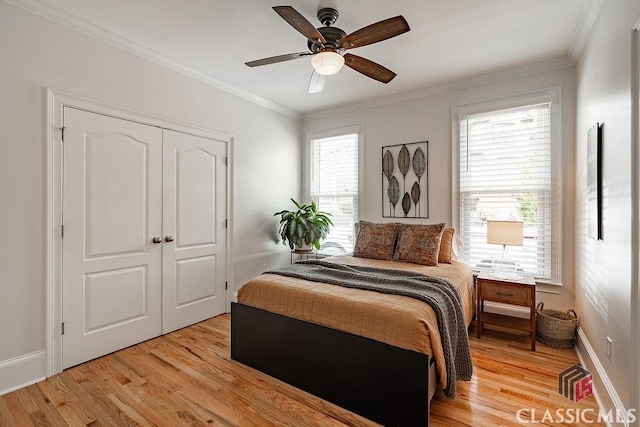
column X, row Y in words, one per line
column 450, row 40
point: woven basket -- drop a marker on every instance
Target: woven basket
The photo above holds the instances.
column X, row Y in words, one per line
column 555, row 328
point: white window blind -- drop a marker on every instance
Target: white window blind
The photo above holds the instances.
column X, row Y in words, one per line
column 505, row 161
column 333, row 185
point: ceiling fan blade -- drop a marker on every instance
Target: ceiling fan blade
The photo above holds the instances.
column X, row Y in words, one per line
column 317, row 81
column 279, row 58
column 375, row 33
column 300, row 23
column 368, row 68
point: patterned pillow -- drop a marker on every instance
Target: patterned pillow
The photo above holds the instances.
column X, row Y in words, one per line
column 376, row 241
column 419, row 244
column 446, row 246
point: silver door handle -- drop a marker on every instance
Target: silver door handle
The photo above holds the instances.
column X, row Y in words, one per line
column 168, row 238
column 157, row 240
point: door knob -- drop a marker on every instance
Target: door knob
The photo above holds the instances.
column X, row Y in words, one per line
column 168, row 239
column 157, row 240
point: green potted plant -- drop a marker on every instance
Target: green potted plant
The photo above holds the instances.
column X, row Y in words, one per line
column 304, row 227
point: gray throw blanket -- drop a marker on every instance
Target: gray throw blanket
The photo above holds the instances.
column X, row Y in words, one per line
column 441, row 295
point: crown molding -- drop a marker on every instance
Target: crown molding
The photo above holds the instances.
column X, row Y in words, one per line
column 76, row 23
column 587, row 18
column 452, row 86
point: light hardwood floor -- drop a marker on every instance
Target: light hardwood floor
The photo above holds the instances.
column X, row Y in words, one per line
column 187, row 378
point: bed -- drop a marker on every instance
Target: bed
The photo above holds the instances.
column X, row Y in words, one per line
column 375, row 354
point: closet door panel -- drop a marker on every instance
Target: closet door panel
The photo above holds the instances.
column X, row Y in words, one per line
column 193, row 279
column 194, row 249
column 112, row 209
column 116, row 168
column 195, row 194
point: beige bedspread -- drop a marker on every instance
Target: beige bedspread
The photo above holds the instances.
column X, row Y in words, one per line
column 393, row 319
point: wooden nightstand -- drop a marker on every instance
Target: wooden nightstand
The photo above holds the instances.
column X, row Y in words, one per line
column 507, row 291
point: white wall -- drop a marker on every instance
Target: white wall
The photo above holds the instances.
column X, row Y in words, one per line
column 36, row 54
column 429, row 118
column 603, row 268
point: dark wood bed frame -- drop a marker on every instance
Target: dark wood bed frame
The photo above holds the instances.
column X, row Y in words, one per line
column 383, row 383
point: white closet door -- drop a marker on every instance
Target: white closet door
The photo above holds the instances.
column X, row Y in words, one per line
column 112, row 207
column 194, row 251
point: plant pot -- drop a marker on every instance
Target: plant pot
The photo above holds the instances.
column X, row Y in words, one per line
column 303, row 248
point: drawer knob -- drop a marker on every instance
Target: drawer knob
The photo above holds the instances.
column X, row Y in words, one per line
column 503, row 294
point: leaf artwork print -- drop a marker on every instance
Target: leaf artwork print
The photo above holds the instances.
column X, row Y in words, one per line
column 406, row 204
column 387, row 164
column 394, row 194
column 415, row 196
column 387, row 170
column 419, row 162
column 409, row 162
column 419, row 165
column 404, row 160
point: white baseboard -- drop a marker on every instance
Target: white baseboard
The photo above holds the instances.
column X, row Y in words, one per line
column 22, row 371
column 589, row 358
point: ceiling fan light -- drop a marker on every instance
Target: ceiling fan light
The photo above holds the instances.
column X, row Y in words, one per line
column 327, row 63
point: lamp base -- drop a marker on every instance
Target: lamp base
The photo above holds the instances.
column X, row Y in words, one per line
column 503, row 268
column 505, row 275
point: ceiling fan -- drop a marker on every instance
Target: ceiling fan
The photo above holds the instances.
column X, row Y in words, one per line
column 328, row 45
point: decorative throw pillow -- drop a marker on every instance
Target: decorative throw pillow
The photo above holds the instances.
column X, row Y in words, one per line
column 419, row 244
column 446, row 246
column 376, row 241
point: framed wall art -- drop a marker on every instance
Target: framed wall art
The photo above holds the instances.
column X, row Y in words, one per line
column 405, row 180
column 594, row 182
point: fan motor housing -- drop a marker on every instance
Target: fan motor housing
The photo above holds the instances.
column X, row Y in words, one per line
column 331, row 34
column 328, row 16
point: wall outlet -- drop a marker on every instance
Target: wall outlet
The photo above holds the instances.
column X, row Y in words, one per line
column 609, row 349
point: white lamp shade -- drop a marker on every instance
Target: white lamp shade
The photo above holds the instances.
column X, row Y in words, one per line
column 327, row 63
column 505, row 232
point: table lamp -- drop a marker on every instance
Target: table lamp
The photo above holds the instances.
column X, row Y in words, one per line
column 505, row 233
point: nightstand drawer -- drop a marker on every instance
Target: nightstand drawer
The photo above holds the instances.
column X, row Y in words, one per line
column 509, row 294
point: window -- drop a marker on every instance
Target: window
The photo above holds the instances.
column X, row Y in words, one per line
column 507, row 170
column 333, row 185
